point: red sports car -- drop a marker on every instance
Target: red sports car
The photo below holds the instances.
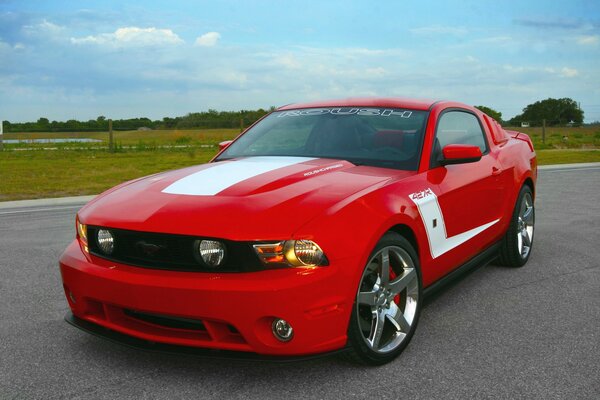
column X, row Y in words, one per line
column 320, row 228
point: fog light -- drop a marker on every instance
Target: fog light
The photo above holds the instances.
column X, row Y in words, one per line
column 282, row 330
column 106, row 241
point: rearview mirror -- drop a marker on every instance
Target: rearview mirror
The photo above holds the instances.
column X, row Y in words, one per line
column 460, row 154
column 224, row 144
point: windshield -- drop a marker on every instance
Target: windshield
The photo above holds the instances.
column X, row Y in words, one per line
column 383, row 137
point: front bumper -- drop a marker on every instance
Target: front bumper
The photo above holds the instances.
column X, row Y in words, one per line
column 229, row 311
column 145, row 345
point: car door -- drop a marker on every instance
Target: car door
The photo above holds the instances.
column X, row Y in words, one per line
column 469, row 195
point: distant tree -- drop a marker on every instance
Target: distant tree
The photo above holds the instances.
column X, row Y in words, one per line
column 42, row 124
column 554, row 111
column 497, row 115
column 169, row 123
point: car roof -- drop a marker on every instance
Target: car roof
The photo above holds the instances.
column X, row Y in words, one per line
column 394, row 102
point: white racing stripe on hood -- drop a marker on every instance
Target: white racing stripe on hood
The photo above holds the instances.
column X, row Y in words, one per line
column 223, row 175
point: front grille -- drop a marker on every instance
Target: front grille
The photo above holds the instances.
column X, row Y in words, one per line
column 171, row 252
column 163, row 328
column 167, row 321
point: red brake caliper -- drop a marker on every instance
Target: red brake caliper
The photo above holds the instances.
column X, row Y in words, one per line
column 393, row 276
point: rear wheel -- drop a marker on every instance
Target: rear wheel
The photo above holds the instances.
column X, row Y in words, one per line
column 388, row 302
column 518, row 241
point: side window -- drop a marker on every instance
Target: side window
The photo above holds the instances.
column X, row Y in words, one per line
column 458, row 127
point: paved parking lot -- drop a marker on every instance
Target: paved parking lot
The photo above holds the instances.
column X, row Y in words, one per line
column 497, row 333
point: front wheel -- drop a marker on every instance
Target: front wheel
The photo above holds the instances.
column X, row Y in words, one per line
column 518, row 241
column 388, row 302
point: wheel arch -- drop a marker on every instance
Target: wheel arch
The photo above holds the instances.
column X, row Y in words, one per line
column 406, row 232
column 529, row 182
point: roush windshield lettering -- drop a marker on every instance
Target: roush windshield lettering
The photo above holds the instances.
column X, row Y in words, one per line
column 370, row 112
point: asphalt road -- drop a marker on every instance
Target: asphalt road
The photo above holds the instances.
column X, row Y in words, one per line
column 497, row 333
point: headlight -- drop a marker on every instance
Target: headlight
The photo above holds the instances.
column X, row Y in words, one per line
column 303, row 252
column 296, row 253
column 106, row 241
column 211, row 252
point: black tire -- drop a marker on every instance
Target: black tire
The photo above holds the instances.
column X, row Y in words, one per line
column 399, row 313
column 517, row 243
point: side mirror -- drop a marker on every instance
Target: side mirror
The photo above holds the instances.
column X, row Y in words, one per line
column 224, row 144
column 460, row 154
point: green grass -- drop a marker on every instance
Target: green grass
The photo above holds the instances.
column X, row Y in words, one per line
column 79, row 169
column 28, row 171
column 566, row 156
column 587, row 137
column 40, row 174
column 155, row 138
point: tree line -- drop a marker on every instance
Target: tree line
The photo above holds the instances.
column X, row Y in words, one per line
column 555, row 112
column 210, row 119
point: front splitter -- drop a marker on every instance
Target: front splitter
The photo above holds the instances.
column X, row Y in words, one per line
column 145, row 345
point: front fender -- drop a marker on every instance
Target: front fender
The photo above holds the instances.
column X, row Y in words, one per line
column 349, row 232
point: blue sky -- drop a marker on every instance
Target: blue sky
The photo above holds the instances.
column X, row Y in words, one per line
column 81, row 59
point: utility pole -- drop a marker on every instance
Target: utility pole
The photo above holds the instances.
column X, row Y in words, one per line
column 1, row 132
column 544, row 131
column 111, row 146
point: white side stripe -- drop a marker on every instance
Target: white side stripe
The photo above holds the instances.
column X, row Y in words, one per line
column 211, row 181
column 439, row 242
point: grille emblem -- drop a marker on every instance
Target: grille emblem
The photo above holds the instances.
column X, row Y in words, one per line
column 148, row 249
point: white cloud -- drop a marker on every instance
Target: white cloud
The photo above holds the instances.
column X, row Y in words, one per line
column 44, row 28
column 209, row 39
column 288, row 61
column 520, row 69
column 377, row 72
column 235, row 78
column 495, row 39
column 132, row 36
column 588, row 40
column 567, row 72
column 564, row 72
column 439, row 30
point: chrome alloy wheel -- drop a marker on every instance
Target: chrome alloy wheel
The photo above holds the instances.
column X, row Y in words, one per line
column 387, row 299
column 525, row 223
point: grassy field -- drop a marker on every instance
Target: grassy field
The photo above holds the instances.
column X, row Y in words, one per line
column 40, row 174
column 28, row 171
column 587, row 137
column 137, row 139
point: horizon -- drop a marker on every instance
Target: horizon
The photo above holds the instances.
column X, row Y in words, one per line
column 125, row 60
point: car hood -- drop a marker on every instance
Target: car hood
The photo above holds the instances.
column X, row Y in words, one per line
column 255, row 198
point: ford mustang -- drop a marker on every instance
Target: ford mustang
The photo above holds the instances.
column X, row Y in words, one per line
column 320, row 228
